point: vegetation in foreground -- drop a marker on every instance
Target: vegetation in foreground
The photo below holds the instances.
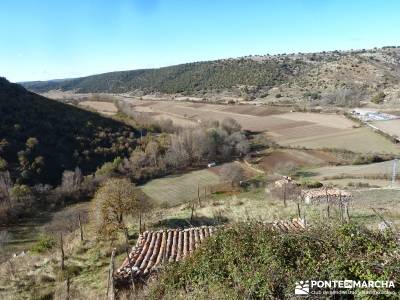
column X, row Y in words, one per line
column 250, row 261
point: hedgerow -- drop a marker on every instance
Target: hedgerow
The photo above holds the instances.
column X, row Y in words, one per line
column 251, row 261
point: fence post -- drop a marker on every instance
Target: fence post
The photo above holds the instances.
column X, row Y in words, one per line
column 62, row 251
column 68, row 287
column 80, row 226
column 198, row 194
column 110, row 283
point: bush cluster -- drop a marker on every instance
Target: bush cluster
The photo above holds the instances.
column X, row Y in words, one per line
column 250, row 261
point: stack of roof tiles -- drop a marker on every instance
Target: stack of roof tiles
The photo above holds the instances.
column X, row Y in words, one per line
column 284, row 181
column 155, row 247
column 322, row 195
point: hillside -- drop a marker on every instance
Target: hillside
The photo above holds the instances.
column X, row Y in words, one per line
column 40, row 138
column 334, row 76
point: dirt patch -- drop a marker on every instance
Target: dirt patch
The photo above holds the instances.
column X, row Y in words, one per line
column 176, row 120
column 247, row 172
column 102, row 107
column 281, row 159
column 391, row 127
column 253, row 110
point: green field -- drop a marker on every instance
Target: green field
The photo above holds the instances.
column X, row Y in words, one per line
column 362, row 140
column 173, row 190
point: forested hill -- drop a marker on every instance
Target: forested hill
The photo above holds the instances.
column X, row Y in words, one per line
column 180, row 78
column 40, row 138
column 291, row 77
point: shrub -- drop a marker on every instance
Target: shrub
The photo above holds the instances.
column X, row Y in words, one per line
column 251, row 261
column 378, row 98
column 43, row 244
column 311, row 184
column 367, row 159
column 312, row 95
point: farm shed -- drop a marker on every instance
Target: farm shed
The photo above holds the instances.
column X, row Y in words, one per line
column 284, row 181
column 323, row 195
column 156, row 247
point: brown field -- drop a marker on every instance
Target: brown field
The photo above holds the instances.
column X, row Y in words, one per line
column 278, row 160
column 107, row 108
column 177, row 120
column 391, row 127
column 298, row 129
column 251, row 117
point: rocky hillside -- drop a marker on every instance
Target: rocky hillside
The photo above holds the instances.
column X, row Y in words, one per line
column 335, row 77
column 40, row 138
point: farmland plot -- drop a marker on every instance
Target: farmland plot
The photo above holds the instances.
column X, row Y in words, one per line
column 391, row 127
column 309, row 130
column 375, row 169
column 249, row 116
column 173, row 190
column 107, row 108
column 362, row 140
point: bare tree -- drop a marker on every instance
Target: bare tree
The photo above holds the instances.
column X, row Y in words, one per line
column 344, row 97
column 231, row 125
column 232, row 173
column 287, row 191
column 4, row 238
column 152, row 152
column 71, row 180
column 5, row 187
column 242, row 148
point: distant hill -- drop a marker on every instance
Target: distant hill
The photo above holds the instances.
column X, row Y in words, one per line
column 189, row 77
column 309, row 76
column 40, row 138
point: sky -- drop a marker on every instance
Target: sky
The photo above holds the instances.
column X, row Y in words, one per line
column 48, row 39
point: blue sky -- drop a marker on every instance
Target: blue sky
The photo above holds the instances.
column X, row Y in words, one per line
column 46, row 39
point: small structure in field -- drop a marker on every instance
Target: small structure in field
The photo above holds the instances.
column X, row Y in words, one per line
column 285, row 181
column 325, row 195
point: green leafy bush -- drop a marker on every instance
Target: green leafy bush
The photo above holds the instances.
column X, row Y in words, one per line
column 250, row 261
column 311, row 184
column 44, row 244
column 378, row 98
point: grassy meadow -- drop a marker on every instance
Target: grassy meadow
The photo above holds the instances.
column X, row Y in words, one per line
column 362, row 140
column 177, row 189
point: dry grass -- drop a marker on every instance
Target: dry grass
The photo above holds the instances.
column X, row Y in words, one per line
column 173, row 190
column 391, row 127
column 38, row 276
column 108, row 108
column 259, row 205
column 376, row 169
column 362, row 140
